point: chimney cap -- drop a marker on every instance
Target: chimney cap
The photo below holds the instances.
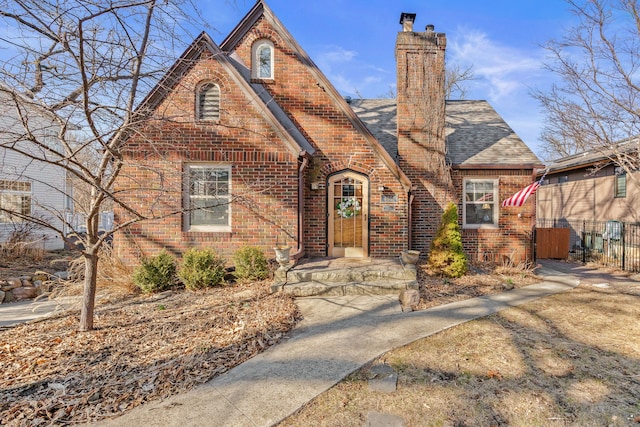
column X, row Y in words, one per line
column 407, row 17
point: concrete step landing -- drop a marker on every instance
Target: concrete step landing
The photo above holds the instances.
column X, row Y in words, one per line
column 345, row 276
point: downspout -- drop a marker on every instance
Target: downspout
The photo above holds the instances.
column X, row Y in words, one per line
column 305, row 162
column 410, row 215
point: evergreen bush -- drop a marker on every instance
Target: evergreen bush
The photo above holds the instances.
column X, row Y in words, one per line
column 251, row 264
column 201, row 268
column 447, row 257
column 156, row 274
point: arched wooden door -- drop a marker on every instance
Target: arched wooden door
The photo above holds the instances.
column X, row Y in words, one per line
column 348, row 215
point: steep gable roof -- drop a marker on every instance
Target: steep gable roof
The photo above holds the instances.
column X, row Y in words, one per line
column 272, row 113
column 261, row 10
column 476, row 135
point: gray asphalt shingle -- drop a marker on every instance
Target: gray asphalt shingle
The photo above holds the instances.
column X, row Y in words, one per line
column 476, row 135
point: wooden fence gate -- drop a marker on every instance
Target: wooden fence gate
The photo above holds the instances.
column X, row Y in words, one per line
column 552, row 243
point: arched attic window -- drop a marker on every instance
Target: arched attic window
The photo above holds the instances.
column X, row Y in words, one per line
column 208, row 107
column 262, row 54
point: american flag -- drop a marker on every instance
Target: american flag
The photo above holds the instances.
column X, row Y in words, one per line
column 521, row 196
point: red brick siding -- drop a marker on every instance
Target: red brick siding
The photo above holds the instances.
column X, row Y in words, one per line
column 421, row 142
column 339, row 147
column 264, row 173
column 513, row 240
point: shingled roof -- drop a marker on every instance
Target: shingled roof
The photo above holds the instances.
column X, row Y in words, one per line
column 476, row 135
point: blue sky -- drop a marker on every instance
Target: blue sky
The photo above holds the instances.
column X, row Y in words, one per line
column 352, row 41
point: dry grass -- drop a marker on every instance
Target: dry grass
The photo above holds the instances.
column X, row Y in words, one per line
column 572, row 359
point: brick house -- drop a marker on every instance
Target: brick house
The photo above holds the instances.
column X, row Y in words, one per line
column 253, row 133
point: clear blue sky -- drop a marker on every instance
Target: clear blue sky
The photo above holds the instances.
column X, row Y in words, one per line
column 352, row 41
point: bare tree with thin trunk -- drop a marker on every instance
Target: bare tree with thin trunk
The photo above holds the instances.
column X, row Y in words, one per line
column 455, row 81
column 595, row 105
column 85, row 65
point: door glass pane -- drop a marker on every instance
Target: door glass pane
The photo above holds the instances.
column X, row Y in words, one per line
column 347, row 213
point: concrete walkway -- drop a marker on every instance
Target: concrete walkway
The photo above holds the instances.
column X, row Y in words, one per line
column 337, row 336
column 17, row 312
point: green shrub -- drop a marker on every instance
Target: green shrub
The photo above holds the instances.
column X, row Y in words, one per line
column 201, row 268
column 156, row 274
column 447, row 257
column 251, row 264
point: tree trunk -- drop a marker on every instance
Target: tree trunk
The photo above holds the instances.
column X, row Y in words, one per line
column 89, row 294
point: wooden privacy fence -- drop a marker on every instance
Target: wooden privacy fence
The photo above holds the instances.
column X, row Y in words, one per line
column 552, row 243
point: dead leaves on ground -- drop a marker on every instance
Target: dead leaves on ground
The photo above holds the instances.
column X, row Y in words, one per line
column 142, row 349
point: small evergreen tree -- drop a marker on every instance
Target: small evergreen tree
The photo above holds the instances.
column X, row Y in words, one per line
column 447, row 257
column 156, row 274
column 251, row 264
column 201, row 268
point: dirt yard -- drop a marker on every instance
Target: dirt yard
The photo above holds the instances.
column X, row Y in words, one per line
column 572, row 359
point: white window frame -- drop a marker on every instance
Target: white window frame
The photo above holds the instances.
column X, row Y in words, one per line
column 492, row 213
column 256, row 68
column 204, row 89
column 189, row 198
column 11, row 189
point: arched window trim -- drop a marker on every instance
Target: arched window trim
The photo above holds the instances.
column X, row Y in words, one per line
column 258, row 69
column 208, row 93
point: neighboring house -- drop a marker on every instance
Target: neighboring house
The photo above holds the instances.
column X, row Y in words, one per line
column 590, row 186
column 27, row 186
column 257, row 137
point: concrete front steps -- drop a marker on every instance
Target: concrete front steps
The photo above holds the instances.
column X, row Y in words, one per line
column 346, row 276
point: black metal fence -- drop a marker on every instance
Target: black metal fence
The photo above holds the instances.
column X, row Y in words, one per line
column 609, row 243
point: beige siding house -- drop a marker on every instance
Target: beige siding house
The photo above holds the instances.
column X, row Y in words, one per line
column 589, row 186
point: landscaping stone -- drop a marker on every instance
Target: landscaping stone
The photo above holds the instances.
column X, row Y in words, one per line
column 409, row 299
column 62, row 275
column 12, row 283
column 382, row 378
column 377, row 419
column 2, row 297
column 8, row 297
column 24, row 292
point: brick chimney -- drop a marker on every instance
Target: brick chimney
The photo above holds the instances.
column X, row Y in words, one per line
column 421, row 120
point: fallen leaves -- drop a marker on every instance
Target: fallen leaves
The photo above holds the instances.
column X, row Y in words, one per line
column 138, row 352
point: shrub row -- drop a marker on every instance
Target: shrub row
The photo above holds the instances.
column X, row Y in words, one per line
column 200, row 268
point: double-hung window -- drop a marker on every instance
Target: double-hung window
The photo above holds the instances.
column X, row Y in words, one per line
column 208, row 197
column 15, row 200
column 480, row 203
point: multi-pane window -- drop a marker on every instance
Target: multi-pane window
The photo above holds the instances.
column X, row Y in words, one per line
column 209, row 102
column 15, row 197
column 263, row 60
column 620, row 182
column 208, row 198
column 480, row 203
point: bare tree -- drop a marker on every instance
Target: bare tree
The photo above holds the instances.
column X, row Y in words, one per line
column 85, row 65
column 595, row 106
column 455, row 81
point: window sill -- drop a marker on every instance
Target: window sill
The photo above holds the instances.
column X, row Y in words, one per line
column 209, row 229
column 488, row 227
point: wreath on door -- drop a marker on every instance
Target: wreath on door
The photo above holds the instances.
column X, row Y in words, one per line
column 349, row 207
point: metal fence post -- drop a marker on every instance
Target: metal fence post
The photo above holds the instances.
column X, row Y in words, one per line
column 622, row 240
column 584, row 249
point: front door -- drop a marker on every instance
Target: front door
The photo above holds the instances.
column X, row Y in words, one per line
column 348, row 213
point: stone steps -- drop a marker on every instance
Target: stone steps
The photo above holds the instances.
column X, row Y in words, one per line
column 338, row 277
column 378, row 287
